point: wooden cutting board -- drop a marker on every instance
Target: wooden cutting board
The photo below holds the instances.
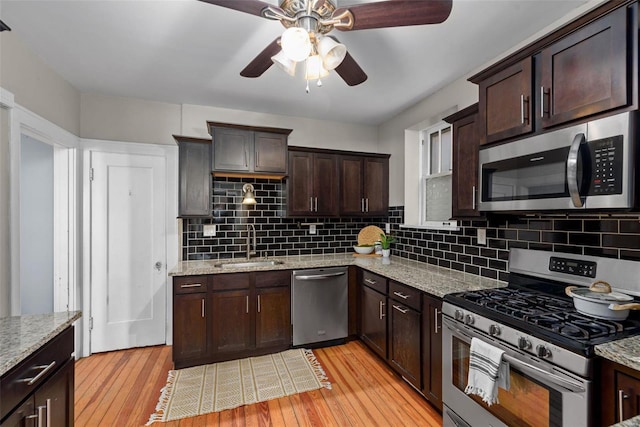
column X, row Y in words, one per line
column 369, row 235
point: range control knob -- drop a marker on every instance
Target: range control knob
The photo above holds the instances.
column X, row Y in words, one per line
column 523, row 343
column 494, row 330
column 543, row 351
column 468, row 319
column 459, row 315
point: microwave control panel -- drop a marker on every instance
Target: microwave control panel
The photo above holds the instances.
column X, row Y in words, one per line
column 573, row 266
column 606, row 166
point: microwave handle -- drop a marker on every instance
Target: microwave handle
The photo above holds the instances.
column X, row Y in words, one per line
column 572, row 170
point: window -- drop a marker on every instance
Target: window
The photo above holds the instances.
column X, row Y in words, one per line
column 435, row 176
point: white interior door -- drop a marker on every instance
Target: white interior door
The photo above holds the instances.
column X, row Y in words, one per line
column 128, row 256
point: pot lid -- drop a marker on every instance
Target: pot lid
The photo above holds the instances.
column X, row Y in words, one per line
column 599, row 291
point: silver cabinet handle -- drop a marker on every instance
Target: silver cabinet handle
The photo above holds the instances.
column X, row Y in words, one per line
column 522, row 109
column 49, row 410
column 45, row 369
column 246, row 156
column 310, row 204
column 202, row 313
column 621, row 396
column 366, row 204
column 381, row 310
column 369, row 281
column 436, row 312
column 258, row 303
column 319, row 276
column 41, row 419
column 400, row 309
column 401, row 295
column 247, row 304
column 542, row 102
column 473, row 197
column 316, row 207
column 193, row 285
column 572, row 170
column 362, row 204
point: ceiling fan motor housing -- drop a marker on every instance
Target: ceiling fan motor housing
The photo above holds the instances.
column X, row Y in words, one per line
column 309, row 14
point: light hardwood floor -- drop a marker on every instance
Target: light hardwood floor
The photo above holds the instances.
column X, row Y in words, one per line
column 121, row 388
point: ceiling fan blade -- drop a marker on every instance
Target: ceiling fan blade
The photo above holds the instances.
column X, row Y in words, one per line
column 262, row 62
column 254, row 7
column 396, row 13
column 350, row 71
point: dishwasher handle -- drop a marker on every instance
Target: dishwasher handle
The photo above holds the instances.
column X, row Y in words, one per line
column 319, row 276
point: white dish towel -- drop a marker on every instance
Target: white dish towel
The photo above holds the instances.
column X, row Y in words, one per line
column 487, row 371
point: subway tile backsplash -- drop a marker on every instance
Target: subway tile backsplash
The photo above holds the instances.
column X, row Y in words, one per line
column 608, row 235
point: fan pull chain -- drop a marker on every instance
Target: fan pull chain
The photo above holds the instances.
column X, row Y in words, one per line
column 307, row 86
column 319, row 84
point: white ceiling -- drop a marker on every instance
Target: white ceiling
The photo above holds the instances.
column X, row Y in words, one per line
column 189, row 52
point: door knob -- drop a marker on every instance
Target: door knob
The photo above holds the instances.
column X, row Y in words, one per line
column 158, row 265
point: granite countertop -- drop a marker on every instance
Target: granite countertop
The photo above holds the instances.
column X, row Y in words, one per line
column 625, row 352
column 631, row 422
column 21, row 336
column 437, row 281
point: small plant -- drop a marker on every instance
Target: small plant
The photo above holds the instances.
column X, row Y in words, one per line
column 386, row 240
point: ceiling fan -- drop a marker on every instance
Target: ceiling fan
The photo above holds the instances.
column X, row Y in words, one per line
column 308, row 22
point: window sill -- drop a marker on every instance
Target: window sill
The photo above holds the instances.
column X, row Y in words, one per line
column 434, row 225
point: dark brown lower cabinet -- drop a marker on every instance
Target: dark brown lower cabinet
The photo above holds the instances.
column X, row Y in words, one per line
column 432, row 349
column 404, row 338
column 373, row 326
column 230, row 316
column 620, row 392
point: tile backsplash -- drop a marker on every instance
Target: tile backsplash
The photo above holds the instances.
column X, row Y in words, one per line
column 609, row 235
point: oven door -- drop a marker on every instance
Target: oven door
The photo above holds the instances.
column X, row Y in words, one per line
column 540, row 394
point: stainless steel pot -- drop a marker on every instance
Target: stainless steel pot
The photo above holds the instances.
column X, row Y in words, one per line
column 598, row 300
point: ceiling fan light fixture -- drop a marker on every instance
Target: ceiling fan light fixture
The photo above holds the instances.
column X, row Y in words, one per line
column 285, row 63
column 296, row 43
column 314, row 69
column 332, row 52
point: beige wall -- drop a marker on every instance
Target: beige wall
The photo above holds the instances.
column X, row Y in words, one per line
column 5, row 243
column 36, row 86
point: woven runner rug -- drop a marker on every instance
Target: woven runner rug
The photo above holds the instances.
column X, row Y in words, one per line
column 211, row 388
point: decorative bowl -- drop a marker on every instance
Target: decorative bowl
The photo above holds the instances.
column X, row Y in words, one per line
column 364, row 249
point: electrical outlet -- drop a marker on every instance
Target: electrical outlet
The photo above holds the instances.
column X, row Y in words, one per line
column 312, row 229
column 387, row 228
column 209, row 230
column 482, row 236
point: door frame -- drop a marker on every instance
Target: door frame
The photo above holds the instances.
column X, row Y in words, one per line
column 170, row 154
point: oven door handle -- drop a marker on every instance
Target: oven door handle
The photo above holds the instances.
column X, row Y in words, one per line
column 519, row 364
column 572, row 170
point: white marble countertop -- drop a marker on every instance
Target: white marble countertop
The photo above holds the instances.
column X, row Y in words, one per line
column 437, row 281
column 21, row 336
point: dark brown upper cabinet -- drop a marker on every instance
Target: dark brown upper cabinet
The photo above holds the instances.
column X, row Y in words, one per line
column 248, row 151
column 466, row 142
column 586, row 72
column 194, row 176
column 505, row 102
column 364, row 185
column 586, row 69
column 313, row 183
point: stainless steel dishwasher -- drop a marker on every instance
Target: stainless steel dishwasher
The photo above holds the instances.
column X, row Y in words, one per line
column 320, row 305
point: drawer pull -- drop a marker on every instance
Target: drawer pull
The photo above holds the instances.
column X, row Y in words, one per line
column 370, row 282
column 400, row 309
column 194, row 285
column 45, row 369
column 401, row 295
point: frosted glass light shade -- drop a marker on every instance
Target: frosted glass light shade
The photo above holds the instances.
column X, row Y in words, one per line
column 315, row 70
column 285, row 63
column 296, row 43
column 332, row 52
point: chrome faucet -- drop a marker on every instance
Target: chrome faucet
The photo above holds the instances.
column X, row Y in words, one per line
column 250, row 252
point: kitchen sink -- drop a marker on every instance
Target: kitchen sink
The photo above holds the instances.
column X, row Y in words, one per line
column 246, row 264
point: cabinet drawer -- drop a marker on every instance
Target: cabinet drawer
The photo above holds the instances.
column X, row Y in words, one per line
column 37, row 368
column 225, row 282
column 190, row 284
column 374, row 281
column 270, row 279
column 408, row 296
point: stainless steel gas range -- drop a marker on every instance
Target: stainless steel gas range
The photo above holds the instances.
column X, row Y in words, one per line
column 548, row 345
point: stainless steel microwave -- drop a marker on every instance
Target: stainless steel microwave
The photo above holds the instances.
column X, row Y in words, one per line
column 587, row 166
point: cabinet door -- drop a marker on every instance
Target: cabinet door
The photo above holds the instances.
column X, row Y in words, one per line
column 300, row 186
column 404, row 350
column 231, row 321
column 432, row 350
column 23, row 416
column 273, row 317
column 232, row 150
column 506, row 102
column 376, row 186
column 325, row 179
column 189, row 326
column 466, row 142
column 374, row 321
column 57, row 397
column 194, row 179
column 270, row 153
column 351, row 185
column 627, row 396
column 586, row 72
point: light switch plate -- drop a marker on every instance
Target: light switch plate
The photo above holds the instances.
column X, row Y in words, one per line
column 482, row 236
column 387, row 228
column 209, row 230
